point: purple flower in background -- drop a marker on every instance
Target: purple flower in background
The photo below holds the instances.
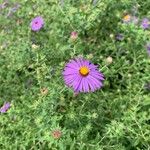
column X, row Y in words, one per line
column 37, row 23
column 82, row 76
column 145, row 23
column 148, row 48
column 5, row 107
column 119, row 37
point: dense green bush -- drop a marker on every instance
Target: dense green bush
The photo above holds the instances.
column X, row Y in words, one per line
column 117, row 117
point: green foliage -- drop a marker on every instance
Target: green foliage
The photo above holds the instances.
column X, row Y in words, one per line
column 117, row 117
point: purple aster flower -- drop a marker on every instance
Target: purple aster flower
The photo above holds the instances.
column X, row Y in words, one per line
column 148, row 48
column 82, row 76
column 145, row 23
column 37, row 23
column 5, row 107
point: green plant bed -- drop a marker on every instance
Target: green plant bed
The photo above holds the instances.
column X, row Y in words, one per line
column 46, row 114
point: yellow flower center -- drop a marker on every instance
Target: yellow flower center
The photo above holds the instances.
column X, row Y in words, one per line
column 84, row 71
column 126, row 17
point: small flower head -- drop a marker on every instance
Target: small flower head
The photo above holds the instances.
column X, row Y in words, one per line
column 111, row 36
column 19, row 22
column 44, row 91
column 34, row 46
column 109, row 60
column 145, row 23
column 37, row 23
column 94, row 115
column 5, row 107
column 74, row 35
column 82, row 76
column 90, row 56
column 56, row 134
column 127, row 18
column 75, row 94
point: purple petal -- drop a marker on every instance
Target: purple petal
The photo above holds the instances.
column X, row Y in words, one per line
column 96, row 82
column 72, row 66
column 5, row 107
column 69, row 71
column 97, row 75
column 85, row 85
column 91, row 85
column 77, row 83
column 69, row 79
column 92, row 66
column 73, row 82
